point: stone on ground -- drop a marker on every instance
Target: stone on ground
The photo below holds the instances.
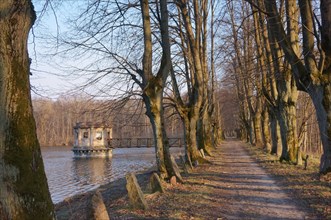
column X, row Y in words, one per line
column 155, row 184
column 136, row 196
column 98, row 208
column 202, row 153
column 176, row 170
column 173, row 180
column 189, row 161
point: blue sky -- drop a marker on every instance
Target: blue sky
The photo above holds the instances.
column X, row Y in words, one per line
column 47, row 79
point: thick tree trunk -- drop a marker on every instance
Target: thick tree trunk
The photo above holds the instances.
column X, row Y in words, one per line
column 153, row 109
column 190, row 126
column 205, row 133
column 321, row 98
column 153, row 102
column 276, row 147
column 281, row 116
column 287, row 122
column 252, row 140
column 191, row 115
column 23, row 185
column 266, row 130
column 312, row 76
column 153, row 87
column 257, row 126
column 292, row 140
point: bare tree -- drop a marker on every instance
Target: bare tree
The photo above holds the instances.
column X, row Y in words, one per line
column 130, row 44
column 153, row 87
column 311, row 72
column 194, row 68
column 23, row 185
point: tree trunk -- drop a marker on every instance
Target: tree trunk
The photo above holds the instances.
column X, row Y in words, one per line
column 205, row 133
column 153, row 111
column 266, row 130
column 311, row 75
column 292, row 141
column 321, row 97
column 281, row 116
column 287, row 122
column 191, row 138
column 190, row 112
column 257, row 125
column 153, row 87
column 23, row 185
column 153, row 102
column 275, row 135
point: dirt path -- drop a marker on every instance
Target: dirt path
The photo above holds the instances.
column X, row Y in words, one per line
column 244, row 190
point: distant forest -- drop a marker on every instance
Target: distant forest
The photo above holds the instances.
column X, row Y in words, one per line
column 55, row 119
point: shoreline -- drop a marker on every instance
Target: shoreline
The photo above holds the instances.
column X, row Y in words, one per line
column 176, row 152
column 76, row 207
column 93, row 190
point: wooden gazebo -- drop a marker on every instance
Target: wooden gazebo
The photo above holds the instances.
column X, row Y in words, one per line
column 92, row 139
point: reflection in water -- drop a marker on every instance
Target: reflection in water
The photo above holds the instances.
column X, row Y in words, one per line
column 68, row 176
column 91, row 170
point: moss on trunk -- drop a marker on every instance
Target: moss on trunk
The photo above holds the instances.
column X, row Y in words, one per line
column 23, row 185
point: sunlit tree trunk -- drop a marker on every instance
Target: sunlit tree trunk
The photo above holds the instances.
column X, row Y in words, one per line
column 153, row 86
column 23, row 185
column 286, row 99
column 286, row 114
column 266, row 130
column 191, row 42
column 259, row 30
column 154, row 111
column 191, row 138
column 276, row 147
column 257, row 122
column 311, row 75
column 207, row 106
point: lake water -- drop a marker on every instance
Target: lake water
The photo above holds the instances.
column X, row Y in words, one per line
column 68, row 176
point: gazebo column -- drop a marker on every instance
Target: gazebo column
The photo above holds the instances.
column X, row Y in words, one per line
column 91, row 136
column 79, row 136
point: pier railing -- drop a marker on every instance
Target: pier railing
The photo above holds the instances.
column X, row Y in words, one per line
column 142, row 142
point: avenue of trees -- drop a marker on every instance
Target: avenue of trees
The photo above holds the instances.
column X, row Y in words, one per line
column 280, row 51
column 168, row 55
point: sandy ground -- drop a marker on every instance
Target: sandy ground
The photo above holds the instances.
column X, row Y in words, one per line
column 233, row 186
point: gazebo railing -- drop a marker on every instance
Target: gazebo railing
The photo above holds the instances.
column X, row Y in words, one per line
column 142, row 142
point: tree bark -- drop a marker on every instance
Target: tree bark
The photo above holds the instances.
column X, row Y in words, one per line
column 191, row 139
column 276, row 147
column 23, row 185
column 153, row 87
column 190, row 111
column 266, row 130
column 323, row 110
column 311, row 76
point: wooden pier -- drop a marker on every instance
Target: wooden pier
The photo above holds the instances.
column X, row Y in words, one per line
column 141, row 142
